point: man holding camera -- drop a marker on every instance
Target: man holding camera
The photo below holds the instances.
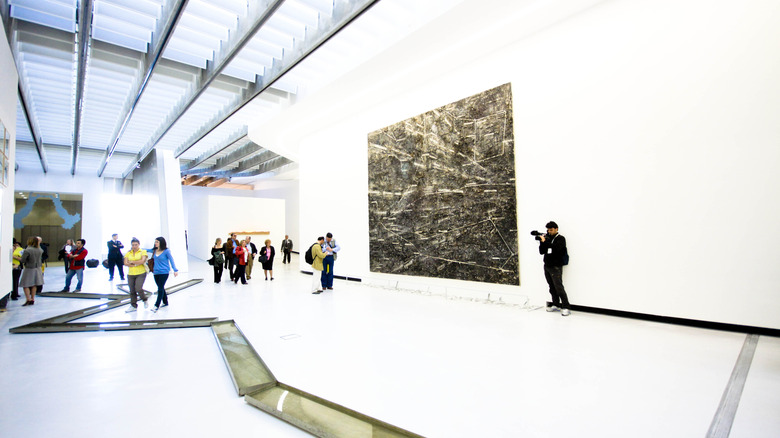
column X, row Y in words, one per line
column 553, row 246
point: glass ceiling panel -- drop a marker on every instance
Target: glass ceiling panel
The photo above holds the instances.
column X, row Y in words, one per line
column 119, row 39
column 213, row 13
column 129, row 16
column 184, row 57
column 300, row 12
column 119, row 26
column 199, row 42
column 192, row 48
column 323, row 6
column 238, row 7
column 149, row 7
column 195, row 23
column 57, row 14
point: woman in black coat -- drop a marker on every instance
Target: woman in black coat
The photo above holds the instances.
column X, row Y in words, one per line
column 267, row 254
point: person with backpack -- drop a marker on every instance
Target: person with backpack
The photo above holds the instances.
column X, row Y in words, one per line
column 553, row 246
column 218, row 258
column 314, row 257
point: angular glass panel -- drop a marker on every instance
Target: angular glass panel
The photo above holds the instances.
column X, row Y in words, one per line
column 320, row 417
column 247, row 369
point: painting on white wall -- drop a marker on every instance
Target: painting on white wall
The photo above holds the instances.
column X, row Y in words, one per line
column 442, row 198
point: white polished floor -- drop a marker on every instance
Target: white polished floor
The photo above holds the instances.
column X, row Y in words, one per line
column 437, row 367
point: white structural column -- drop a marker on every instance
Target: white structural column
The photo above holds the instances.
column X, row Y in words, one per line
column 171, row 206
column 9, row 81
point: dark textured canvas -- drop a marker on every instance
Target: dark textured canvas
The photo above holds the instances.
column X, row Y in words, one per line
column 441, row 191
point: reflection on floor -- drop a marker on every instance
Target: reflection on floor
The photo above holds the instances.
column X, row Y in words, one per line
column 437, row 367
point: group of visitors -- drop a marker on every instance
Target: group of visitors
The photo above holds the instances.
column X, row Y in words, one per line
column 238, row 258
column 29, row 262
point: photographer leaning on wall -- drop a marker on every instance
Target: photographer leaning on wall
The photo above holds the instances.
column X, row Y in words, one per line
column 553, row 246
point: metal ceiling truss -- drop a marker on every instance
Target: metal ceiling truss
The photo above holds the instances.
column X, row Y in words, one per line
column 241, row 136
column 242, row 166
column 82, row 51
column 32, row 124
column 24, row 97
column 59, row 148
column 258, row 14
column 344, row 12
column 268, row 161
column 237, row 155
column 160, row 39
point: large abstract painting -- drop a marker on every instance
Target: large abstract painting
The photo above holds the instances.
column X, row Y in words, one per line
column 441, row 192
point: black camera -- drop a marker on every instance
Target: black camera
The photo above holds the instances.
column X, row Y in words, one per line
column 537, row 234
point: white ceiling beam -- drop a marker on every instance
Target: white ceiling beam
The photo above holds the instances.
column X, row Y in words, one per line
column 82, row 52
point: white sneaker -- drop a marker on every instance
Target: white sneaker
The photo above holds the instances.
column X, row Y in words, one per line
column 131, row 310
column 565, row 312
column 552, row 309
column 154, row 309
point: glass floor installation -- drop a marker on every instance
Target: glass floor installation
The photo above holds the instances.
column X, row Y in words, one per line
column 315, row 415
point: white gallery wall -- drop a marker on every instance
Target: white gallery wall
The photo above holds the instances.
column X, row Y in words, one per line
column 647, row 129
column 210, row 217
column 289, row 192
column 8, row 92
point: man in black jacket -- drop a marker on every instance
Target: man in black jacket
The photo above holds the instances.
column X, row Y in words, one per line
column 115, row 257
column 553, row 246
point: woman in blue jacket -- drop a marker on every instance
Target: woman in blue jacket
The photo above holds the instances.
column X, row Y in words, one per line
column 163, row 263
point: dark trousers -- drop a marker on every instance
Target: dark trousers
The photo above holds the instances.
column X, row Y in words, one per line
column 119, row 263
column 240, row 274
column 326, row 278
column 286, row 257
column 554, row 277
column 218, row 272
column 162, row 297
column 16, row 274
column 232, row 262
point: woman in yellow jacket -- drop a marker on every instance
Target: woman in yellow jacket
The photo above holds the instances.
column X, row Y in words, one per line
column 319, row 256
column 135, row 260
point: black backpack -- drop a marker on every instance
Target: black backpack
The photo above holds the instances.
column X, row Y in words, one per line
column 310, row 255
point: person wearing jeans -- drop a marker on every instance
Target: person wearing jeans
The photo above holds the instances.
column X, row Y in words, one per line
column 163, row 264
column 135, row 259
column 76, row 260
column 332, row 248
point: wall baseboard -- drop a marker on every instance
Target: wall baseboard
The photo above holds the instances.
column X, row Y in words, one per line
column 340, row 277
column 680, row 321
